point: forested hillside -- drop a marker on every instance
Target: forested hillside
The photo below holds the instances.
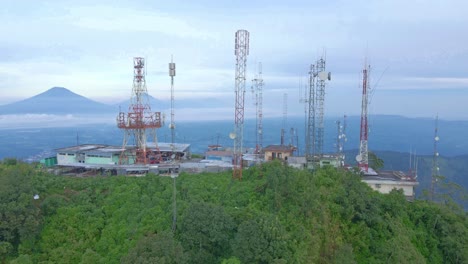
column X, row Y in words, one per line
column 276, row 214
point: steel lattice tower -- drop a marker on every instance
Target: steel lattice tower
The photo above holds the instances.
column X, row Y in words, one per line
column 241, row 51
column 320, row 97
column 138, row 120
column 435, row 158
column 310, row 140
column 363, row 157
column 257, row 88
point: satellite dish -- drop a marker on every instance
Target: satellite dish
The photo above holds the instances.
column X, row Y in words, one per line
column 172, row 156
column 260, row 131
column 437, row 154
column 171, row 126
column 323, row 76
column 339, row 136
column 438, row 168
column 232, row 135
column 358, row 158
column 437, row 138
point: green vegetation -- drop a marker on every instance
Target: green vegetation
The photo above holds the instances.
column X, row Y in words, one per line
column 276, row 214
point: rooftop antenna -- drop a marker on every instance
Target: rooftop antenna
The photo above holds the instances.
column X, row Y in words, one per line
column 241, row 50
column 435, row 158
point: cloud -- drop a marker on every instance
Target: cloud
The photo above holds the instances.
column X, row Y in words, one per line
column 121, row 20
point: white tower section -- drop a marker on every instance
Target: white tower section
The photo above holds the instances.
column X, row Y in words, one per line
column 363, row 157
column 257, row 88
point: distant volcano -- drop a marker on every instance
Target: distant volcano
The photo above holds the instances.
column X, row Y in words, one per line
column 57, row 100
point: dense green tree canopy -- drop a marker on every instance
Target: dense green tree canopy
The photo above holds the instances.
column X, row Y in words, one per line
column 276, row 214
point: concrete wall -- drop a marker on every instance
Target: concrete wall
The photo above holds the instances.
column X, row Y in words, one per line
column 388, row 186
column 98, row 160
column 271, row 155
column 65, row 158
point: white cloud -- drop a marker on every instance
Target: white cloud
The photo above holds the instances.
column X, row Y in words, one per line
column 122, row 20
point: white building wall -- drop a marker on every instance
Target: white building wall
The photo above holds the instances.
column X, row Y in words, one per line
column 388, row 186
column 65, row 158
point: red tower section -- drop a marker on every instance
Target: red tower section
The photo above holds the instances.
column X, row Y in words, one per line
column 138, row 121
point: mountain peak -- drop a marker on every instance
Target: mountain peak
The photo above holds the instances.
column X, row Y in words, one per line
column 58, row 91
column 57, row 100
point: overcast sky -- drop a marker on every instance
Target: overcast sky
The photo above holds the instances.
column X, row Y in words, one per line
column 418, row 51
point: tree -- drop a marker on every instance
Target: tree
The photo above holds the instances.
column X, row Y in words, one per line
column 262, row 240
column 206, row 230
column 156, row 248
column 375, row 162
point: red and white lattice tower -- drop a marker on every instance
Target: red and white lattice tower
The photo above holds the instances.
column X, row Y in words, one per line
column 363, row 157
column 241, row 51
column 138, row 121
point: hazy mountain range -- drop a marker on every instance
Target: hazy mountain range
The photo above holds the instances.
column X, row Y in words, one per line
column 62, row 101
column 59, row 100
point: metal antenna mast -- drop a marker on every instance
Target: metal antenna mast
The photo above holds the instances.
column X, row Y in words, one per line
column 285, row 118
column 257, row 88
column 339, row 133
column 363, row 157
column 343, row 137
column 435, row 158
column 139, row 119
column 320, row 103
column 310, row 140
column 172, row 73
column 241, row 50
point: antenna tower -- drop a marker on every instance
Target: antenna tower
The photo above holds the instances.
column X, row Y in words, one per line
column 315, row 122
column 320, row 103
column 285, row 118
column 343, row 137
column 139, row 119
column 241, row 50
column 172, row 73
column 257, row 88
column 310, row 140
column 435, row 158
column 339, row 133
column 363, row 157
